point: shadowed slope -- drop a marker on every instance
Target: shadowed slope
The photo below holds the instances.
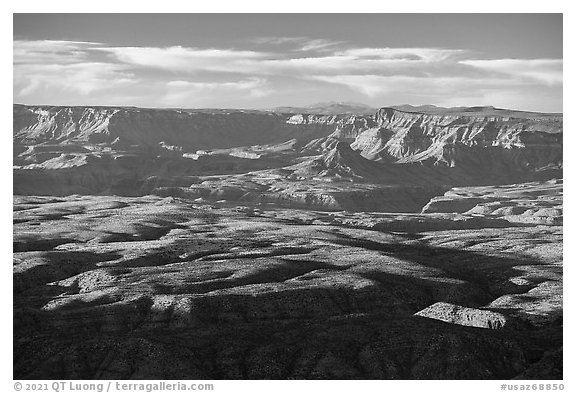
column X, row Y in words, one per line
column 229, row 293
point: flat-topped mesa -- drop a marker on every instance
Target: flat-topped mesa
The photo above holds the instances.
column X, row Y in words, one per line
column 55, row 125
column 418, row 137
column 458, row 146
column 390, row 133
column 134, row 127
column 470, row 125
column 190, row 129
column 346, row 126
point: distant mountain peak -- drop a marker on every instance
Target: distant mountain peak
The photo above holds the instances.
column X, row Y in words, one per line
column 416, row 108
column 339, row 103
column 329, row 108
column 478, row 110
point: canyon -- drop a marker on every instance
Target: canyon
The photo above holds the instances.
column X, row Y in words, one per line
column 334, row 241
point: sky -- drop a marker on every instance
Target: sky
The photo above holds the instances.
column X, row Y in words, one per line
column 258, row 61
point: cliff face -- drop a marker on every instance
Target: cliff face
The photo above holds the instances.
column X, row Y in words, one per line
column 484, row 142
column 417, row 137
column 190, row 130
column 65, row 150
column 228, row 244
column 34, row 125
column 407, row 136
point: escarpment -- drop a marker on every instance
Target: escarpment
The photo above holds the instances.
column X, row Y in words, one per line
column 189, row 130
column 227, row 244
column 116, row 151
column 441, row 138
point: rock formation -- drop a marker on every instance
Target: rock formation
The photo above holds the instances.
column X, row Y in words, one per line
column 151, row 287
column 403, row 243
column 67, row 150
column 465, row 316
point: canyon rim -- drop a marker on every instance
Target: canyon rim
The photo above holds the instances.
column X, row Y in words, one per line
column 212, row 206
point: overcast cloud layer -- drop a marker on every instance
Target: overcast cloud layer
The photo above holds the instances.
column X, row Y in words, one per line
column 277, row 71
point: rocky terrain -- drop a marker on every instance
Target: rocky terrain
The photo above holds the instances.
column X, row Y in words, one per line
column 131, row 152
column 411, row 243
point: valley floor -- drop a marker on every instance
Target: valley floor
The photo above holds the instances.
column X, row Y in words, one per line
column 148, row 287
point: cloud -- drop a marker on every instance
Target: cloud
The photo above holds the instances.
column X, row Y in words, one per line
column 47, row 51
column 64, row 66
column 451, row 91
column 375, row 85
column 409, row 54
column 183, row 91
column 364, row 61
column 406, row 61
column 277, row 40
column 379, row 85
column 182, row 59
column 44, row 70
column 299, row 43
column 246, row 84
column 83, row 78
column 547, row 71
column 188, row 60
column 320, row 45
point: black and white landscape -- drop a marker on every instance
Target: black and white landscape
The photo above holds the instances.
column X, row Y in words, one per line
column 335, row 240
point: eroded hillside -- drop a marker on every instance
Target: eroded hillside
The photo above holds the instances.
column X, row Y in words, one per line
column 131, row 151
column 222, row 291
column 412, row 243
